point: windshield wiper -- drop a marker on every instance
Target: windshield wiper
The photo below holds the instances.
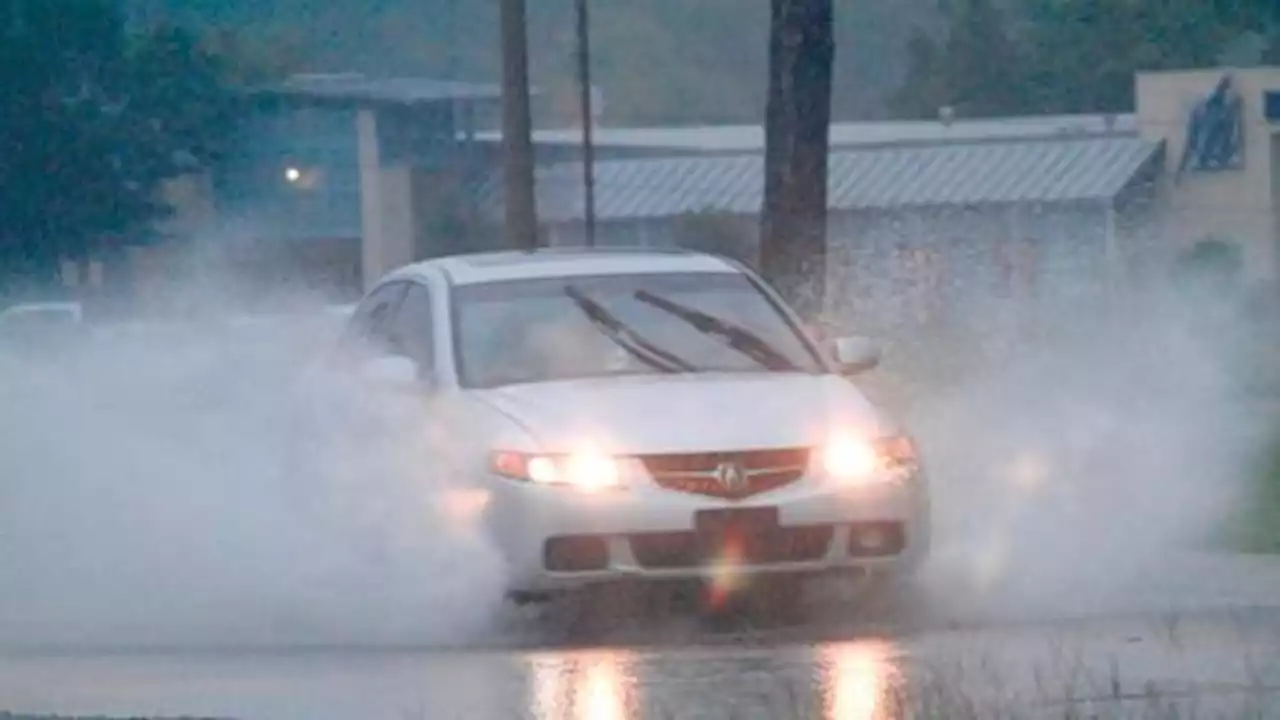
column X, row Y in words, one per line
column 624, row 337
column 738, row 337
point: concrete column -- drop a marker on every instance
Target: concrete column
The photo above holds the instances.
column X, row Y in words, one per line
column 1112, row 256
column 402, row 211
column 372, row 243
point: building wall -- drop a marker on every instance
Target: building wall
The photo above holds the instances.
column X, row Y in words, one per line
column 320, row 143
column 701, row 232
column 418, row 166
column 986, row 269
column 1238, row 204
column 990, row 268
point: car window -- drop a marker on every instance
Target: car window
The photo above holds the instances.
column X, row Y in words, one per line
column 535, row 331
column 410, row 330
column 367, row 326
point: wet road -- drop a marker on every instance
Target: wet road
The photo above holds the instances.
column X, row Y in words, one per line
column 1202, row 634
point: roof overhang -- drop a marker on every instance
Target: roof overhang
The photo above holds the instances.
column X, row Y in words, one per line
column 353, row 90
column 1058, row 171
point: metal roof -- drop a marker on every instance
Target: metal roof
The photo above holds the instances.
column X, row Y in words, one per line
column 353, row 88
column 748, row 138
column 898, row 177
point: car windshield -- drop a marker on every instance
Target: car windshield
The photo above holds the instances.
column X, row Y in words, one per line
column 565, row 328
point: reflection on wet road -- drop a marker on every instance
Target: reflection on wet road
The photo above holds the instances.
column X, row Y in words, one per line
column 847, row 681
column 1207, row 640
column 1209, row 662
column 840, row 682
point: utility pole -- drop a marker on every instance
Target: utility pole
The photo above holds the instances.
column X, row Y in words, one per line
column 588, row 145
column 517, row 130
column 793, row 227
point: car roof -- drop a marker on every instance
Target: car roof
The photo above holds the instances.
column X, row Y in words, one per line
column 45, row 306
column 50, row 307
column 504, row 265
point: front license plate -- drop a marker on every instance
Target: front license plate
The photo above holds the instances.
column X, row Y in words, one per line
column 754, row 521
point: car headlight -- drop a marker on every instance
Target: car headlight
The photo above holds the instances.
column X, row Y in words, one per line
column 854, row 460
column 587, row 470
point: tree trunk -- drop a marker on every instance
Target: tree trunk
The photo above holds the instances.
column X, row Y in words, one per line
column 521, row 210
column 793, row 242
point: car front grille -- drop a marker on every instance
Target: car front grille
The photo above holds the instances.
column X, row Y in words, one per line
column 754, row 471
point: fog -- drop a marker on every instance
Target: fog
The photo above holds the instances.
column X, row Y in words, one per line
column 144, row 498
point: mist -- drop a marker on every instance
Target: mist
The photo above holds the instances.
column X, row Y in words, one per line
column 1077, row 465
column 145, row 502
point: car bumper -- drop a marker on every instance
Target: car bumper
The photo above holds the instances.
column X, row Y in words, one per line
column 556, row 538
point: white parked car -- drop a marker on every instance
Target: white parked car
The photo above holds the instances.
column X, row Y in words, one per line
column 36, row 329
column 644, row 415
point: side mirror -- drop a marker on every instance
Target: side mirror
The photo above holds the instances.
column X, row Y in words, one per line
column 393, row 372
column 855, row 355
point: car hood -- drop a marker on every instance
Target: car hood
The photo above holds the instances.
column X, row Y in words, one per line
column 686, row 413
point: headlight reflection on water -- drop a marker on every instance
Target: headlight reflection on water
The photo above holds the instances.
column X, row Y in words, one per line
column 854, row 681
column 584, row 686
column 857, row 681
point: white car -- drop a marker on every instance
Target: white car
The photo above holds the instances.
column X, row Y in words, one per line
column 644, row 415
column 37, row 329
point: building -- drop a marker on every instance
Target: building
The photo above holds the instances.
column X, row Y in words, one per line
column 963, row 211
column 1225, row 183
column 346, row 177
column 941, row 212
column 337, row 179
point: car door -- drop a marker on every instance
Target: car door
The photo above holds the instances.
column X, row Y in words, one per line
column 436, row 423
column 325, row 392
column 411, row 330
column 366, row 330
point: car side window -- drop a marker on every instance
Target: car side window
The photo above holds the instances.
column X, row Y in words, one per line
column 368, row 324
column 411, row 329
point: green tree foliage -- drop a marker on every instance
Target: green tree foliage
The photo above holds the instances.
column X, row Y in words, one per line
column 657, row 61
column 977, row 69
column 182, row 101
column 91, row 123
column 1067, row 56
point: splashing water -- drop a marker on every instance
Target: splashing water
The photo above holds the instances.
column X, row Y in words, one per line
column 144, row 502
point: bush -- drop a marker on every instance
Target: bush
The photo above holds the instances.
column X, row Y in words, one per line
column 1209, row 270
